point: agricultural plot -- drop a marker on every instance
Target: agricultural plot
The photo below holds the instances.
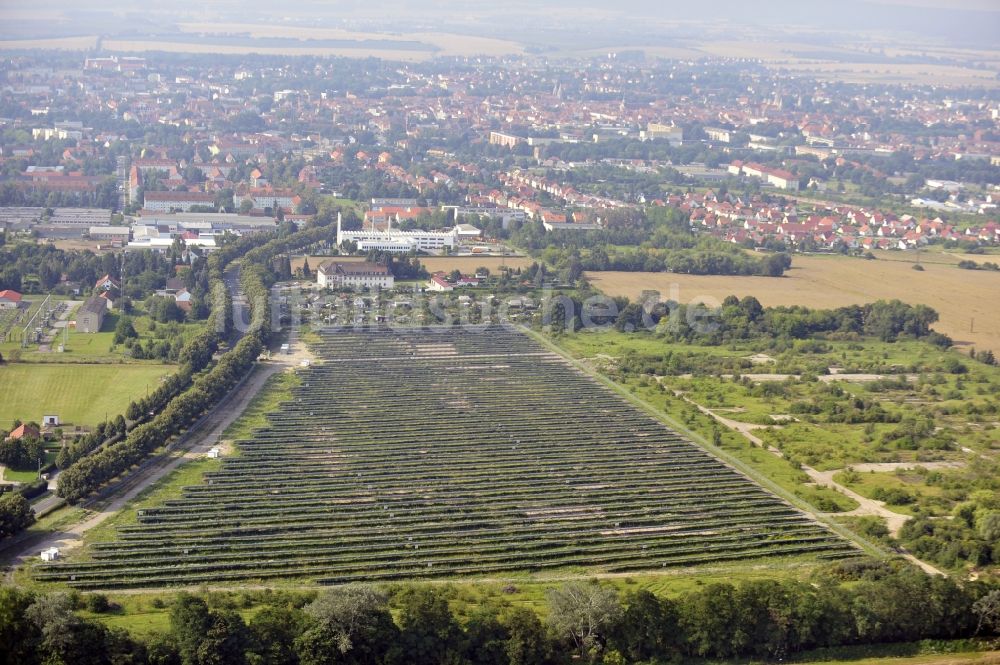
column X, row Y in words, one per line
column 963, row 298
column 444, row 453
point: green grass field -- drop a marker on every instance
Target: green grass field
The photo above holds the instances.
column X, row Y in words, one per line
column 78, row 394
column 99, row 347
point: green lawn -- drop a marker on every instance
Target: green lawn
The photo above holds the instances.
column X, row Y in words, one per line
column 98, row 347
column 78, row 394
column 13, row 476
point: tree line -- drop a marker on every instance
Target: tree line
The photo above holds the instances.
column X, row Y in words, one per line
column 40, row 268
column 90, row 472
column 657, row 239
column 747, row 319
column 850, row 603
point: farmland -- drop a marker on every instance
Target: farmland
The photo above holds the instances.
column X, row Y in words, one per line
column 78, row 394
column 450, row 453
column 964, row 299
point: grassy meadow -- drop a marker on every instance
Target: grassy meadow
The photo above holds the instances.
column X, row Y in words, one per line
column 906, row 424
column 78, row 394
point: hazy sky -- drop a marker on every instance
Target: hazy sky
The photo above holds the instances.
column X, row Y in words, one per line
column 959, row 22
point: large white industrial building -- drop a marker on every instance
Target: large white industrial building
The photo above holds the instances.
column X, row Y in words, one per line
column 394, row 240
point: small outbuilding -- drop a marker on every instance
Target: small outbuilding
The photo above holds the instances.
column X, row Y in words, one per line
column 9, row 299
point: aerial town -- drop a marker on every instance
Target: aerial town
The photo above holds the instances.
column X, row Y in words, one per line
column 756, row 159
column 536, row 334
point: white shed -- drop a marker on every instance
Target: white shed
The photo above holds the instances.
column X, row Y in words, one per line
column 214, row 452
column 50, row 554
column 50, row 421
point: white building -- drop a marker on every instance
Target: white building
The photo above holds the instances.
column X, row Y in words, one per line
column 466, row 232
column 266, row 198
column 110, row 233
column 354, row 274
column 393, row 240
column 437, row 282
column 167, row 201
column 673, row 135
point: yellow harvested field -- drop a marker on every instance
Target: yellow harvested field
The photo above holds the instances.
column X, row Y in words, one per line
column 446, row 43
column 944, row 256
column 666, row 52
column 58, row 44
column 967, row 301
column 921, row 74
column 793, row 57
column 766, row 51
column 222, row 49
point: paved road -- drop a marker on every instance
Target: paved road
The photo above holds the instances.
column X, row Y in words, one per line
column 49, row 502
column 241, row 310
column 198, row 439
column 195, row 443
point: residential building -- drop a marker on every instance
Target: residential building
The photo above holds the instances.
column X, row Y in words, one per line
column 9, row 299
column 673, row 135
column 506, row 140
column 107, row 283
column 184, row 201
column 437, row 282
column 354, row 274
column 266, row 197
column 24, row 431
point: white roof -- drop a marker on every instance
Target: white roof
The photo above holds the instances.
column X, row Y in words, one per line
column 166, row 242
column 467, row 229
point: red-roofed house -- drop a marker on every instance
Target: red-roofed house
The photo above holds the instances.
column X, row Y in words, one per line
column 438, row 282
column 107, row 283
column 9, row 299
column 25, row 431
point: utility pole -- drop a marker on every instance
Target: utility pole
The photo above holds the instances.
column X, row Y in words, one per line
column 122, row 306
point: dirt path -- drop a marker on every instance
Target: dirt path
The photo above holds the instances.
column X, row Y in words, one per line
column 894, row 521
column 889, row 467
column 867, row 506
column 195, row 443
column 823, row 378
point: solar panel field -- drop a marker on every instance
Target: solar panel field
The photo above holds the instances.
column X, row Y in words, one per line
column 407, row 454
